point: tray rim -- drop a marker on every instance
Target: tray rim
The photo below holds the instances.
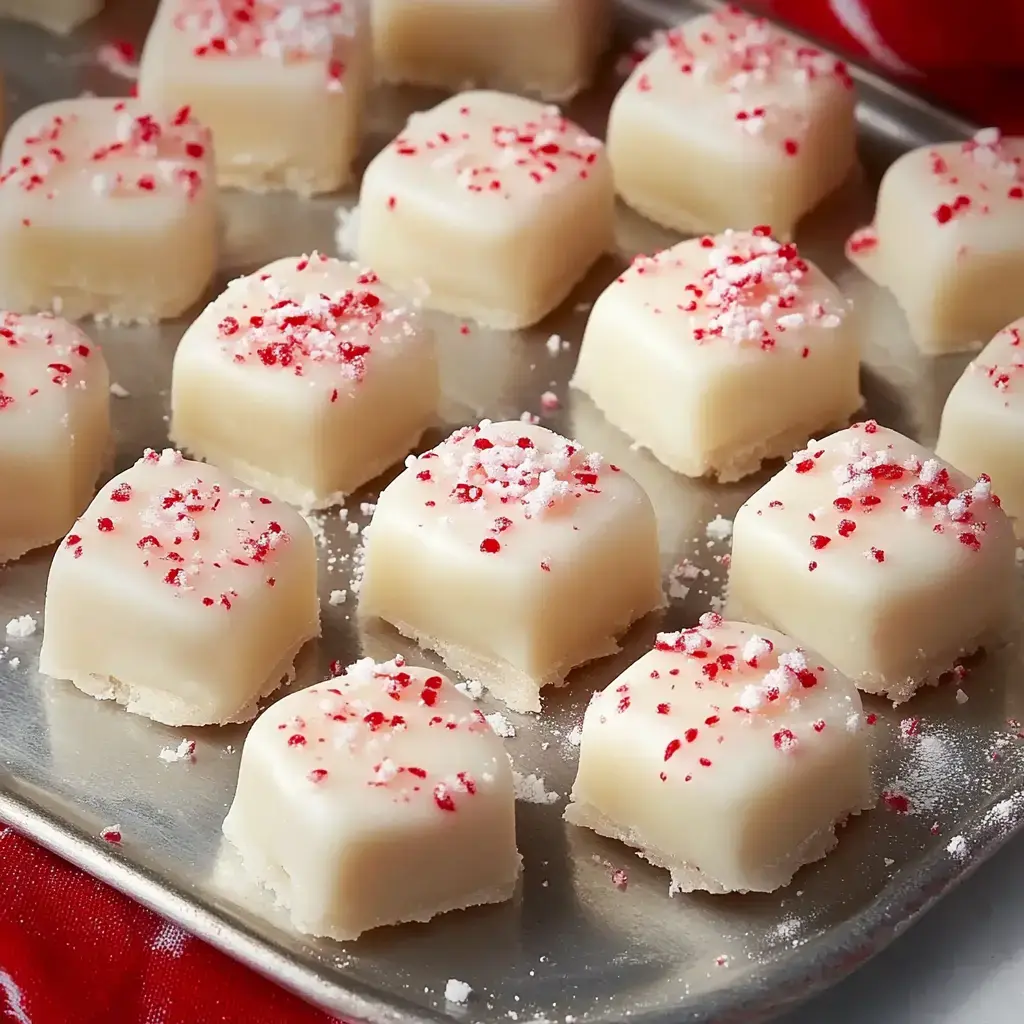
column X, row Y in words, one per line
column 763, row 997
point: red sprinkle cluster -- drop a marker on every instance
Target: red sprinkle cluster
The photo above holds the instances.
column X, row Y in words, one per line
column 347, row 715
column 282, row 326
column 176, row 148
column 53, row 351
column 490, row 157
column 508, row 478
column 169, row 524
column 287, row 31
column 873, row 479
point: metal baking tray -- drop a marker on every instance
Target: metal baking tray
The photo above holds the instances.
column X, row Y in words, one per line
column 573, row 944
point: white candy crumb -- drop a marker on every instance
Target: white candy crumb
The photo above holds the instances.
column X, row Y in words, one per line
column 347, row 230
column 14, row 662
column 685, row 570
column 367, row 508
column 118, row 391
column 719, row 528
column 961, row 697
column 457, row 992
column 575, row 736
column 501, row 725
column 472, row 688
column 21, row 627
column 888, row 861
column 549, row 401
column 352, row 528
column 531, row 790
column 554, row 344
column 1019, row 554
column 957, row 847
column 337, row 597
column 183, row 752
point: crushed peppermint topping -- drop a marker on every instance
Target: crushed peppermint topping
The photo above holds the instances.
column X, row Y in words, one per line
column 1003, row 374
column 138, row 154
column 871, row 477
column 288, row 31
column 743, row 287
column 365, row 712
column 39, row 353
column 300, row 321
column 489, row 155
column 506, row 474
column 753, row 63
column 196, row 536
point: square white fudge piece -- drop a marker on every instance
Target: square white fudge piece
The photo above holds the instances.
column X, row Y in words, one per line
column 732, row 122
column 347, row 789
column 305, row 378
column 55, row 440
column 107, row 209
column 727, row 755
column 983, row 420
column 948, row 240
column 487, row 206
column 180, row 594
column 880, row 556
column 56, row 15
column 513, row 553
column 281, row 86
column 738, row 351
column 545, row 47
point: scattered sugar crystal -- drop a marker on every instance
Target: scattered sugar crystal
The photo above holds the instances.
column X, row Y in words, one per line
column 14, row 662
column 961, row 697
column 118, row 391
column 337, row 597
column 554, row 344
column 531, row 789
column 457, row 992
column 501, row 725
column 352, row 528
column 184, row 751
column 471, row 688
column 719, row 528
column 367, row 508
column 21, row 627
column 957, row 847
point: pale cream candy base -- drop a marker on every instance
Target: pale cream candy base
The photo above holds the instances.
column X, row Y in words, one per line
column 141, row 258
column 751, row 817
column 718, row 406
column 505, row 259
column 118, row 630
column 983, row 426
column 891, row 626
column 957, row 282
column 55, row 439
column 314, row 436
column 682, row 159
column 501, row 618
column 548, row 49
column 353, row 852
column 277, row 125
column 56, row 15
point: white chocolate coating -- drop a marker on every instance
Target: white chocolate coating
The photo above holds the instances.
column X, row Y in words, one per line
column 880, row 556
column 727, row 755
column 514, row 554
column 282, row 89
column 56, row 15
column 488, row 206
column 107, row 209
column 55, row 438
column 306, row 379
column 546, row 47
column 732, row 122
column 983, row 420
column 719, row 353
column 948, row 239
column 181, row 594
column 378, row 797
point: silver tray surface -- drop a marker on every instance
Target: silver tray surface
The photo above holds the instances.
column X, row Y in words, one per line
column 572, row 945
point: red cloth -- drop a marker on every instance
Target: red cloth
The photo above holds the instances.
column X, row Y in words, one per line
column 73, row 951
